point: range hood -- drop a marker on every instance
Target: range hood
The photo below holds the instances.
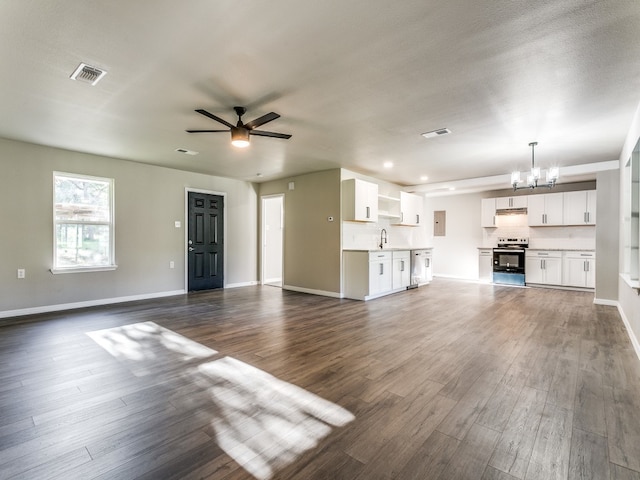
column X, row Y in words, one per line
column 512, row 211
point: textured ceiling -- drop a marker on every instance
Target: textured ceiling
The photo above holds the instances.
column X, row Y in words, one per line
column 355, row 82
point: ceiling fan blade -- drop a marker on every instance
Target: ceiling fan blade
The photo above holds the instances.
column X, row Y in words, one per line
column 213, row 117
column 262, row 133
column 261, row 120
column 205, row 131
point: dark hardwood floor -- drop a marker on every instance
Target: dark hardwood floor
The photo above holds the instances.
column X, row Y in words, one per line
column 453, row 380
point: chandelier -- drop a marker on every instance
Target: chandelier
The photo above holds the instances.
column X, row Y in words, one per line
column 534, row 175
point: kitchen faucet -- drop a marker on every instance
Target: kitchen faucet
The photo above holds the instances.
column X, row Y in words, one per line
column 383, row 232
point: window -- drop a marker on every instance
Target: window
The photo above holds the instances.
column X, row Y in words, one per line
column 83, row 223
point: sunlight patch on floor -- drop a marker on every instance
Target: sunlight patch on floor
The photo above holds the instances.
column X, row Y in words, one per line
column 263, row 423
column 147, row 346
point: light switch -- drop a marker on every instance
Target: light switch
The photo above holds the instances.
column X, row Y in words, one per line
column 177, row 223
column 21, row 273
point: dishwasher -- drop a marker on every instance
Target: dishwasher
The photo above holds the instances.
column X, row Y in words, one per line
column 421, row 267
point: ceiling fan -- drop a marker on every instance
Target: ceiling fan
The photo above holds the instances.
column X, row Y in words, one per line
column 241, row 131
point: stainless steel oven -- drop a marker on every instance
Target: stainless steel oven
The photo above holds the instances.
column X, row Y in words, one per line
column 508, row 261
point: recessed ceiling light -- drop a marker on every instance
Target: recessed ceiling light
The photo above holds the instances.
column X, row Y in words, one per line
column 388, row 164
column 424, row 178
column 436, row 133
column 88, row 74
column 186, row 152
column 452, row 188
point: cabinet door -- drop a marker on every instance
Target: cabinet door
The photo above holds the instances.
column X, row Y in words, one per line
column 553, row 271
column 511, row 202
column 590, row 275
column 485, row 265
column 574, row 272
column 360, row 200
column 533, row 270
column 401, row 272
column 536, row 210
column 488, row 212
column 553, row 208
column 574, row 207
column 591, row 207
column 380, row 276
column 411, row 209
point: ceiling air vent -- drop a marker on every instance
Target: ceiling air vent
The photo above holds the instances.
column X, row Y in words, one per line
column 436, row 133
column 186, row 152
column 88, row 74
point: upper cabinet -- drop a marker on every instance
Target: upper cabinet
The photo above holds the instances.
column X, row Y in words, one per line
column 411, row 209
column 545, row 210
column 359, row 200
column 511, row 202
column 488, row 212
column 580, row 208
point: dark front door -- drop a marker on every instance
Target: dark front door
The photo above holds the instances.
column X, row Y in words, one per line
column 206, row 241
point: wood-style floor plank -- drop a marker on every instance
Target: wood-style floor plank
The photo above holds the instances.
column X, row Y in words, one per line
column 451, row 380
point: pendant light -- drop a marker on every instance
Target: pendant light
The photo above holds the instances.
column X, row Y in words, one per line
column 534, row 175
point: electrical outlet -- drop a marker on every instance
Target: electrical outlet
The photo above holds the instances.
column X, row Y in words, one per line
column 21, row 273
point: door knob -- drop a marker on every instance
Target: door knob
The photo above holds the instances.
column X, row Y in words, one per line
column 191, row 249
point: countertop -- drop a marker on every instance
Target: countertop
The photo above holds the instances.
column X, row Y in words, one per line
column 548, row 249
column 393, row 249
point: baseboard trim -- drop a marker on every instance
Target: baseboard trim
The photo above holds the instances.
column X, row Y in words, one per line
column 242, row 284
column 634, row 340
column 604, row 301
column 90, row 303
column 312, row 291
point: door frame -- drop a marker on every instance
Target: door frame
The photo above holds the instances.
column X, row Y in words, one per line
column 188, row 190
column 262, row 234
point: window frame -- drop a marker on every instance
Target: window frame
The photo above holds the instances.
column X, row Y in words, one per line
column 110, row 224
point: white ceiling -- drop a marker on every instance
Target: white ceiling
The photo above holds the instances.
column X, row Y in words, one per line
column 355, row 82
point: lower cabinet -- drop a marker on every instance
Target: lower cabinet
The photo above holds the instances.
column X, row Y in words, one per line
column 380, row 275
column 485, row 264
column 543, row 267
column 401, row 275
column 579, row 269
column 368, row 275
column 561, row 268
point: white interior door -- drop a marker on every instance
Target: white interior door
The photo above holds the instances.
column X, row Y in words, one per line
column 272, row 239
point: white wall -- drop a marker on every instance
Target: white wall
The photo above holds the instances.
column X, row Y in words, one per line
column 148, row 200
column 628, row 298
column 456, row 254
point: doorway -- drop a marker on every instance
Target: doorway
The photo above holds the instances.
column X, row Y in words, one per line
column 205, row 241
column 272, row 240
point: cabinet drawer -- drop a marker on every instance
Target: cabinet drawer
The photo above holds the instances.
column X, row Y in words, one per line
column 377, row 256
column 543, row 254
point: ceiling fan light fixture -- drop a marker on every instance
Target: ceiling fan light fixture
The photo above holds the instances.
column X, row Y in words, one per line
column 239, row 137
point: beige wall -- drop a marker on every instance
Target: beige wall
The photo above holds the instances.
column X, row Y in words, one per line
column 607, row 238
column 312, row 245
column 148, row 200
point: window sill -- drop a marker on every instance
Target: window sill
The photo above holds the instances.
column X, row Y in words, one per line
column 58, row 271
column 635, row 284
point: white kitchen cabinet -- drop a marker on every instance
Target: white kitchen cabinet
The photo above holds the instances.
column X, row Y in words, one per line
column 543, row 267
column 367, row 275
column 380, row 273
column 411, row 209
column 579, row 269
column 545, row 209
column 579, row 207
column 359, row 200
column 488, row 212
column 485, row 264
column 519, row 201
column 401, row 276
